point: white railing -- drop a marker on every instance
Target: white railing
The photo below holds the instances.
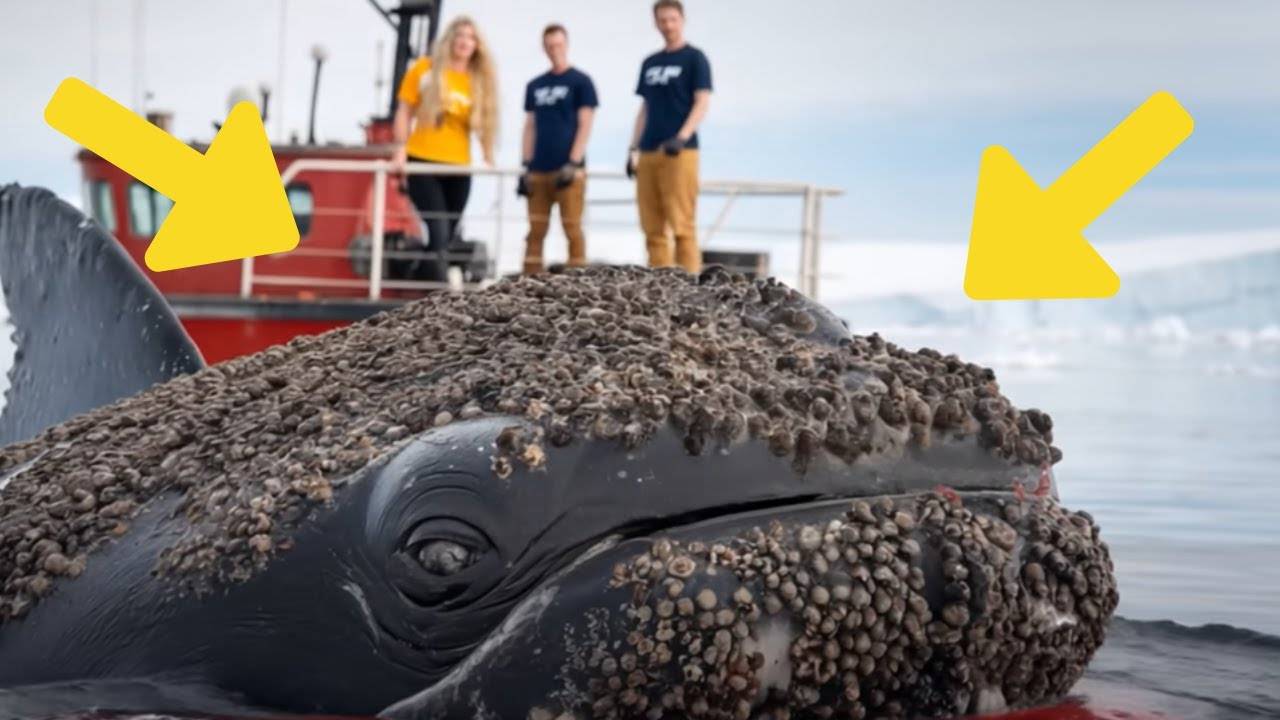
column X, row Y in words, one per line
column 810, row 230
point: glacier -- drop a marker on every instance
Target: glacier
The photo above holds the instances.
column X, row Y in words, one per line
column 1171, row 289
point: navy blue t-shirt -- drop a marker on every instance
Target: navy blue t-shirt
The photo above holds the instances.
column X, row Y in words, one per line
column 554, row 101
column 668, row 81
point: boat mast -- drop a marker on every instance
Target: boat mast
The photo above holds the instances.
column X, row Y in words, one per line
column 280, row 67
column 318, row 55
column 404, row 19
column 139, row 56
column 93, row 43
column 378, row 79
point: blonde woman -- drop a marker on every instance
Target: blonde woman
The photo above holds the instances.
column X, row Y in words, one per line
column 443, row 100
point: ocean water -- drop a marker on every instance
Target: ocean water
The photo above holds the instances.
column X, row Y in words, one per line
column 1171, row 440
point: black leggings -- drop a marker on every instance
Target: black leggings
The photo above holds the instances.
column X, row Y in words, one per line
column 439, row 200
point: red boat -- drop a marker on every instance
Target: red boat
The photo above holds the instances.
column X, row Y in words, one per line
column 342, row 199
column 236, row 308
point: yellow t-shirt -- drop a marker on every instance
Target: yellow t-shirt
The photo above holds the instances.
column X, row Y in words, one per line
column 450, row 142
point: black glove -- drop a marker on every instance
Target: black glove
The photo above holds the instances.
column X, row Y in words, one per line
column 522, row 183
column 631, row 164
column 567, row 174
column 673, row 146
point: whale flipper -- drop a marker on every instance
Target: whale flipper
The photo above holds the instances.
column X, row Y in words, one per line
column 84, row 325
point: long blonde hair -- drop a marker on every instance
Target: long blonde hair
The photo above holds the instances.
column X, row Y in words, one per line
column 484, row 84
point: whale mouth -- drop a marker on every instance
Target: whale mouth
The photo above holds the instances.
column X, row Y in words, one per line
column 618, row 532
column 656, row 526
column 928, row 603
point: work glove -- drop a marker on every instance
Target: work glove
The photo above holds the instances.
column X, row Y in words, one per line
column 631, row 162
column 522, row 183
column 567, row 174
column 673, row 146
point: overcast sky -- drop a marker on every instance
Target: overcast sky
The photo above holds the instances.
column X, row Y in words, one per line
column 891, row 101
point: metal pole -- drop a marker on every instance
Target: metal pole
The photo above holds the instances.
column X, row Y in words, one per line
column 433, row 26
column 318, row 54
column 139, row 59
column 93, row 44
column 379, row 212
column 246, row 277
column 401, row 63
column 377, row 77
column 719, row 221
column 280, row 64
column 806, row 237
column 815, row 254
column 385, row 15
column 497, row 235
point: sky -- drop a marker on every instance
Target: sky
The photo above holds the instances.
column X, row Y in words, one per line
column 891, row 102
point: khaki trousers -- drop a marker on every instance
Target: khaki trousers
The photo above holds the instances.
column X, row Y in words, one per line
column 667, row 197
column 542, row 195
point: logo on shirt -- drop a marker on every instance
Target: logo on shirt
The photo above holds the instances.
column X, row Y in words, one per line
column 661, row 75
column 458, row 102
column 550, row 95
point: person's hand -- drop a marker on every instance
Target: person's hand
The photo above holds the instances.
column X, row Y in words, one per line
column 567, row 174
column 673, row 146
column 398, row 160
column 632, row 160
column 522, row 183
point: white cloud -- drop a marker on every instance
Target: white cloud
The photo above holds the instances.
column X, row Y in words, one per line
column 771, row 62
column 776, row 66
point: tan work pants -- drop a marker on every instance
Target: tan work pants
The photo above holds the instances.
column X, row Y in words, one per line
column 543, row 194
column 667, row 197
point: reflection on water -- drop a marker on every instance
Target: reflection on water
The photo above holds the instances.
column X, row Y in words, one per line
column 1172, row 442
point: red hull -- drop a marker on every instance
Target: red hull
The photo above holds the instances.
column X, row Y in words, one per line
column 338, row 208
column 1078, row 712
column 224, row 338
column 227, row 327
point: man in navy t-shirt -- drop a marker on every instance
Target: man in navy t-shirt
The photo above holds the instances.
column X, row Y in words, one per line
column 559, row 106
column 675, row 86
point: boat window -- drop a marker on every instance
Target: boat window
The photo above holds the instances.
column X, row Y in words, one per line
column 302, row 204
column 147, row 209
column 103, row 210
column 161, row 205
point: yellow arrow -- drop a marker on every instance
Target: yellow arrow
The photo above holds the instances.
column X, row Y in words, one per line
column 1028, row 243
column 228, row 203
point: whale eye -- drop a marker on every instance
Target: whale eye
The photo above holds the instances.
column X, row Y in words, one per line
column 445, row 557
column 445, row 547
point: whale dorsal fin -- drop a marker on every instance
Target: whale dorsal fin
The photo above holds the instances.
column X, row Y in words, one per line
column 84, row 326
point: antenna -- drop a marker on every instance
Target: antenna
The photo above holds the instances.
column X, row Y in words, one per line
column 139, row 56
column 93, row 43
column 264, row 92
column 238, row 94
column 280, row 63
column 318, row 54
column 378, row 79
column 409, row 14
